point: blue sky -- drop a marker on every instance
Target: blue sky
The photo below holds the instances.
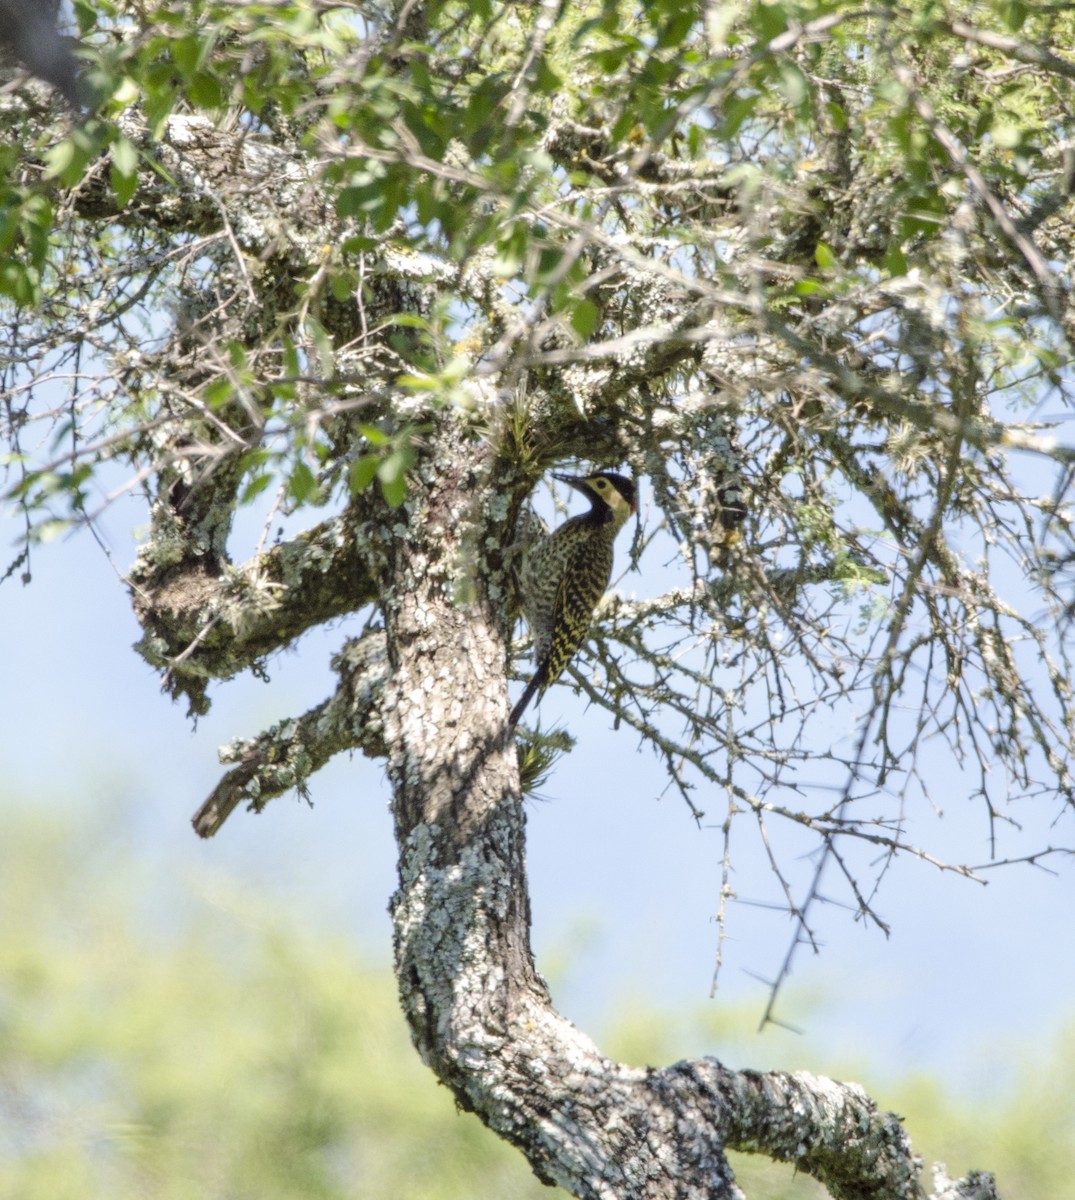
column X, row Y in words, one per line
column 624, row 885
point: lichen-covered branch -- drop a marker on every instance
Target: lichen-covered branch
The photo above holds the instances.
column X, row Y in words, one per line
column 284, row 757
column 200, row 625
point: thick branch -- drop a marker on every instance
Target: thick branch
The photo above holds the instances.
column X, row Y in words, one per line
column 199, row 625
column 285, row 756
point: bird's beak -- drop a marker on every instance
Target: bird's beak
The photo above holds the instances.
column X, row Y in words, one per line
column 575, row 481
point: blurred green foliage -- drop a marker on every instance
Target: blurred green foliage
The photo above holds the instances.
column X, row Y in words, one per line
column 225, row 1051
column 228, row 1055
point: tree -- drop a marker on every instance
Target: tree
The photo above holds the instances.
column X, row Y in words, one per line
column 801, row 268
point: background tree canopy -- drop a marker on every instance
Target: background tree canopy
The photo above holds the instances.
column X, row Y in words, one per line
column 372, row 271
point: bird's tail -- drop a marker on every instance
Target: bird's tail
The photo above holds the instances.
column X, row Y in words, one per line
column 537, row 681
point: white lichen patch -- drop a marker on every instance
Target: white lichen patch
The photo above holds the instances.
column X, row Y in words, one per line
column 246, row 597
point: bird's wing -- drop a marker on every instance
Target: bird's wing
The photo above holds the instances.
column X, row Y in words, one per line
column 582, row 585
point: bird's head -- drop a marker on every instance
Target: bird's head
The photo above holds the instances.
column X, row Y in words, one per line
column 612, row 497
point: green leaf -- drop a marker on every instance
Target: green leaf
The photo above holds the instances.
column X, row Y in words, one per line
column 794, row 84
column 292, row 364
column 344, row 284
column 1007, row 135
column 323, row 343
column 123, row 173
column 359, row 244
column 124, row 155
column 675, row 31
column 1013, row 13
column 546, row 79
column 86, row 14
column 160, row 97
column 123, row 186
column 511, row 251
column 736, row 111
column 125, row 92
column 394, row 490
column 824, row 256
column 837, row 114
column 205, row 91
column 585, row 317
column 256, row 485
column 418, row 383
column 895, row 261
column 50, row 530
column 20, row 283
column 769, row 20
column 302, row 483
column 392, row 472
column 363, row 472
column 187, row 53
column 921, row 216
column 809, row 287
column 218, row 392
column 60, row 158
column 373, row 435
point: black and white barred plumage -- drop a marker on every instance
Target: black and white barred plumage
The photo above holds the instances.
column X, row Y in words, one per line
column 565, row 574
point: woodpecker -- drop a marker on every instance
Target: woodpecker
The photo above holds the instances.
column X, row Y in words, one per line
column 566, row 573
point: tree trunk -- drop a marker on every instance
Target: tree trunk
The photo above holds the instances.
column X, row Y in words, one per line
column 479, row 1013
